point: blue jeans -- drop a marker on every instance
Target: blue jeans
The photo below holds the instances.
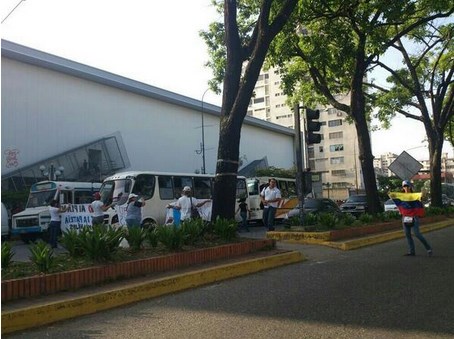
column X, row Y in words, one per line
column 268, row 217
column 54, row 227
column 410, row 242
column 243, row 220
column 132, row 223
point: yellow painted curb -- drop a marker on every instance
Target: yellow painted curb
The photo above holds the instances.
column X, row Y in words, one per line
column 383, row 237
column 35, row 316
column 304, row 237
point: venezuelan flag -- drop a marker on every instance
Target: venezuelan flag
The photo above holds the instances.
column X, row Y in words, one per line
column 409, row 204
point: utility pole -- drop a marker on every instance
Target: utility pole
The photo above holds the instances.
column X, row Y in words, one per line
column 299, row 161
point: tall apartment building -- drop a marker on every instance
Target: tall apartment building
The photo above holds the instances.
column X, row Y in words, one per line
column 335, row 158
column 382, row 162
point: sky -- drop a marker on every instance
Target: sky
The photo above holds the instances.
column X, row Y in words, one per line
column 154, row 42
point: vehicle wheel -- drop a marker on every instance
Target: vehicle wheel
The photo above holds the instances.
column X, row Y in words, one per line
column 29, row 237
column 148, row 224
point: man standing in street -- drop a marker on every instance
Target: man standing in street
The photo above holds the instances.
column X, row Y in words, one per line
column 270, row 196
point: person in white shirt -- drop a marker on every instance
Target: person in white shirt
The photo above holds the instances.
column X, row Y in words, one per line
column 55, row 221
column 98, row 210
column 270, row 196
column 185, row 203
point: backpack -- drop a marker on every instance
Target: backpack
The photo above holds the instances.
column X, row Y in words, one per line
column 194, row 212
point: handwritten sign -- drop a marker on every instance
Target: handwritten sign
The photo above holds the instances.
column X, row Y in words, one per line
column 77, row 217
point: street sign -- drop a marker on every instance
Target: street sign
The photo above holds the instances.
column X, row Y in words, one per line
column 405, row 166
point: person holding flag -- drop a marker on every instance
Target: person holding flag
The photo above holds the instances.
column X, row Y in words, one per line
column 411, row 209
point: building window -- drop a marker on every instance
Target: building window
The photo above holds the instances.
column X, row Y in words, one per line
column 320, row 149
column 283, row 116
column 336, row 148
column 310, row 152
column 338, row 173
column 336, row 160
column 334, row 123
column 336, row 135
column 332, row 110
column 259, row 100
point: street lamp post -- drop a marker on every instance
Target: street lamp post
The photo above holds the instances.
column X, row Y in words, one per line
column 51, row 173
column 203, row 135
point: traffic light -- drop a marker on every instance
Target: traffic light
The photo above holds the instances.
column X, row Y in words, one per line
column 313, row 126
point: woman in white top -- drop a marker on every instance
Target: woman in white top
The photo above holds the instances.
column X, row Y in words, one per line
column 55, row 221
column 98, row 210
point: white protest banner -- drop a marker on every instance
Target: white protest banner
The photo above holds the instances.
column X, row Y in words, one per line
column 121, row 212
column 77, row 217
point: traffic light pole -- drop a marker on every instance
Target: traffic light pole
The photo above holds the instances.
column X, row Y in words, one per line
column 299, row 161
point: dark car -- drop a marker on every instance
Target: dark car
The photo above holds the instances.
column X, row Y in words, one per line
column 356, row 205
column 316, row 206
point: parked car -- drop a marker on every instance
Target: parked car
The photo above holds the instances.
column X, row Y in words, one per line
column 315, row 206
column 445, row 200
column 5, row 222
column 390, row 206
column 355, row 204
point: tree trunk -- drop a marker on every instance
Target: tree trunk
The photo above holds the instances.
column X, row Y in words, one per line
column 238, row 88
column 366, row 158
column 435, row 149
column 226, row 169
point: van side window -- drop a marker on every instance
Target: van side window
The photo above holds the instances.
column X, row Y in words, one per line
column 165, row 188
column 144, row 185
column 202, row 188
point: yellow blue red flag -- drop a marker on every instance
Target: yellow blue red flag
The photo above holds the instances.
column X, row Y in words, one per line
column 409, row 204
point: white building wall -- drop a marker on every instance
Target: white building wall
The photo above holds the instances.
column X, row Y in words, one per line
column 46, row 112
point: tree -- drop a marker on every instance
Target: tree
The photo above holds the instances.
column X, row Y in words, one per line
column 423, row 90
column 329, row 49
column 238, row 49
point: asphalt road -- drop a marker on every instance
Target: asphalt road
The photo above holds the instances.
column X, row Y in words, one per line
column 373, row 292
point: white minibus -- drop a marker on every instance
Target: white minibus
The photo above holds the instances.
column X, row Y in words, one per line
column 34, row 220
column 158, row 189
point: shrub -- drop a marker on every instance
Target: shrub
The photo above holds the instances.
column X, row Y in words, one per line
column 225, row 228
column 432, row 210
column 327, row 220
column 152, row 237
column 71, row 242
column 136, row 236
column 193, row 230
column 294, row 221
column 393, row 215
column 99, row 242
column 7, row 254
column 42, row 256
column 347, row 219
column 366, row 218
column 171, row 237
column 310, row 219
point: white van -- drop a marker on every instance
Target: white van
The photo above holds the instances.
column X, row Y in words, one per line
column 5, row 222
column 34, row 220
